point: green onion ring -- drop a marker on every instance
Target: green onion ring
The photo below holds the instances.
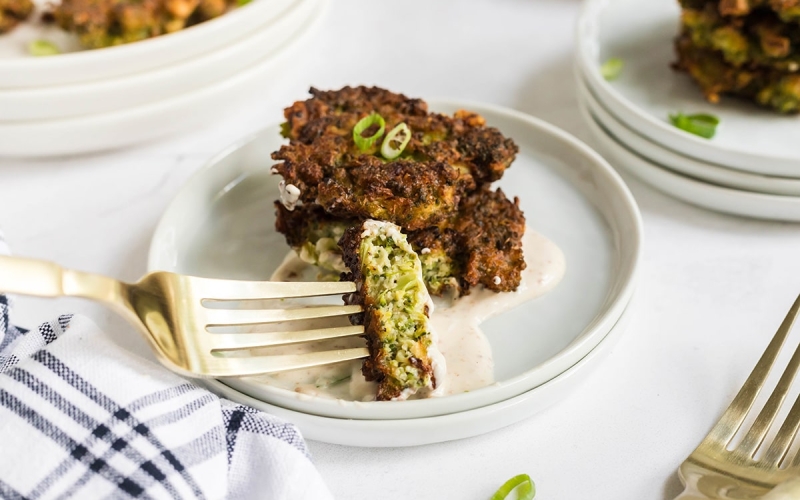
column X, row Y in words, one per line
column 364, row 143
column 390, row 152
column 701, row 124
column 43, row 48
column 612, row 68
column 526, row 490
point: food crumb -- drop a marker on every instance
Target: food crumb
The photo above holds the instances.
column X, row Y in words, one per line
column 496, row 280
column 425, row 251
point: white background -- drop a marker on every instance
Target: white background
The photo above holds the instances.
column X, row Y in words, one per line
column 713, row 287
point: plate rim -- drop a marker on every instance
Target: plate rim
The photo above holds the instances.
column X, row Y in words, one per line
column 677, row 162
column 734, row 198
column 290, row 22
column 141, row 47
column 411, row 426
column 74, row 127
column 604, row 321
column 660, row 131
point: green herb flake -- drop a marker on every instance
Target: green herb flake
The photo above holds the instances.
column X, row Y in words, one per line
column 242, row 2
column 523, row 485
column 700, row 124
column 612, row 68
column 40, row 48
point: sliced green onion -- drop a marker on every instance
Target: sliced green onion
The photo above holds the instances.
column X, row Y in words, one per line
column 286, row 130
column 388, row 150
column 526, row 490
column 700, row 124
column 364, row 143
column 43, row 48
column 612, row 68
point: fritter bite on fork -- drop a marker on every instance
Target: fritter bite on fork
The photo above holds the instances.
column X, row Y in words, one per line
column 12, row 12
column 445, row 158
column 104, row 23
column 404, row 358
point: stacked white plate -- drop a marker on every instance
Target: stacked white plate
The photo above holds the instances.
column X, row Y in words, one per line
column 752, row 165
column 83, row 101
column 222, row 225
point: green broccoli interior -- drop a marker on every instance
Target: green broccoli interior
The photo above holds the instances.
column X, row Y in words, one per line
column 396, row 295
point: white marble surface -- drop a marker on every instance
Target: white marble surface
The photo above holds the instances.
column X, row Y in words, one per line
column 714, row 287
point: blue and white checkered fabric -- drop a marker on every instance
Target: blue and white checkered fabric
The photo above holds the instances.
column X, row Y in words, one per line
column 82, row 418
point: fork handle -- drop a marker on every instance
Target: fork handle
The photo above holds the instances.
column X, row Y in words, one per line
column 46, row 279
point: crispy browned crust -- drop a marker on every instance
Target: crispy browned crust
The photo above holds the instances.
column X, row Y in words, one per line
column 446, row 157
column 103, row 23
column 491, row 227
column 350, row 243
column 12, row 12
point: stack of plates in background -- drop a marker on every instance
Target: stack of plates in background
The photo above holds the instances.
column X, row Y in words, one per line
column 750, row 168
column 92, row 100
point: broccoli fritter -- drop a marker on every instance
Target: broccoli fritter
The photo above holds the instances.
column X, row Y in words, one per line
column 767, row 87
column 404, row 358
column 787, row 10
column 446, row 157
column 12, row 12
column 104, row 23
column 480, row 244
column 760, row 40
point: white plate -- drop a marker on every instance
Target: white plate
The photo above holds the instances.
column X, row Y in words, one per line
column 222, row 225
column 715, row 174
column 18, row 69
column 648, row 90
column 421, row 431
column 116, row 94
column 124, row 128
column 720, row 199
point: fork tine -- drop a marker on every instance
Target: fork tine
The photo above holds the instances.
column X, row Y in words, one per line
column 755, row 436
column 214, row 289
column 783, row 440
column 224, row 317
column 258, row 365
column 734, row 416
column 233, row 341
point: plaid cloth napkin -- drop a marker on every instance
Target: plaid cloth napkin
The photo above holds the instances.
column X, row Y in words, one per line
column 82, row 418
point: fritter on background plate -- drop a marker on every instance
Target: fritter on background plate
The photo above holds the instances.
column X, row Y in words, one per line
column 767, row 87
column 760, row 40
column 12, row 12
column 104, row 23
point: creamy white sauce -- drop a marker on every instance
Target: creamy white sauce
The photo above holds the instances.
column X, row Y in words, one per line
column 464, row 347
column 290, row 194
column 788, row 490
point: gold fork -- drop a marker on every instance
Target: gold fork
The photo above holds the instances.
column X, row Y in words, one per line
column 170, row 310
column 713, row 471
